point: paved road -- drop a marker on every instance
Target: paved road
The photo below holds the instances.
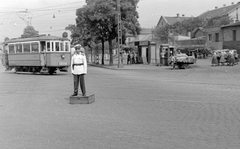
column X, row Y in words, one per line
column 142, row 107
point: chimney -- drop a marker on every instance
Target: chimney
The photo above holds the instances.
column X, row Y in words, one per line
column 177, row 15
column 216, row 7
column 224, row 5
column 232, row 3
column 183, row 15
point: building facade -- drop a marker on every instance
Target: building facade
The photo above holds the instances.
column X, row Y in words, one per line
column 231, row 36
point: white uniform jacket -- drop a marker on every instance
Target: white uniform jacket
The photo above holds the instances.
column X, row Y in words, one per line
column 79, row 64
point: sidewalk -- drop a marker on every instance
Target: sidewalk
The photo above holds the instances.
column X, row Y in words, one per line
column 125, row 66
column 200, row 62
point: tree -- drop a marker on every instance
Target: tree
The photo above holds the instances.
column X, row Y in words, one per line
column 29, row 31
column 179, row 28
column 162, row 33
column 218, row 21
column 100, row 19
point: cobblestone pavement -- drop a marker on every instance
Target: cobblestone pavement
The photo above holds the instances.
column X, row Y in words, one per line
column 140, row 106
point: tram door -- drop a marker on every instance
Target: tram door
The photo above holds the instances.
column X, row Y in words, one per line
column 43, row 55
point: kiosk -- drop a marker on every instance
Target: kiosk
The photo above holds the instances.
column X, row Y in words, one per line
column 166, row 51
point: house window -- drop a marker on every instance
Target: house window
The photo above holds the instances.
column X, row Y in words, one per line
column 216, row 37
column 209, row 37
column 234, row 35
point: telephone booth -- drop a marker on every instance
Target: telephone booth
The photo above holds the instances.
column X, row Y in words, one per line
column 165, row 52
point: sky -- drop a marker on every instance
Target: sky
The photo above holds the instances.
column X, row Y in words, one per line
column 52, row 16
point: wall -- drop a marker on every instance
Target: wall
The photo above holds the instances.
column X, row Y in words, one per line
column 228, row 33
column 153, row 54
column 199, row 33
column 212, row 45
column 232, row 45
column 162, row 22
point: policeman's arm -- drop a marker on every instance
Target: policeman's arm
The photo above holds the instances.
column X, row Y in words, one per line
column 72, row 64
column 84, row 64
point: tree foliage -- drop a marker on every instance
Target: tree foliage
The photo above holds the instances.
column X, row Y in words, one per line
column 98, row 21
column 29, row 31
column 183, row 28
column 218, row 21
column 179, row 28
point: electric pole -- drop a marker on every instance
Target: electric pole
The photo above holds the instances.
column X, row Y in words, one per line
column 119, row 34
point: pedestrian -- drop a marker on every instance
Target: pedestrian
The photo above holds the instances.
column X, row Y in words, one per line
column 129, row 59
column 133, row 58
column 232, row 59
column 79, row 69
column 214, row 59
column 236, row 57
column 222, row 59
column 218, row 57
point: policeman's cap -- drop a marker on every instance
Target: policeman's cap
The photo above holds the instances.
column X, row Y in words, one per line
column 77, row 46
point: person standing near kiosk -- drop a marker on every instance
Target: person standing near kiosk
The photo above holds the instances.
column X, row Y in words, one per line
column 79, row 69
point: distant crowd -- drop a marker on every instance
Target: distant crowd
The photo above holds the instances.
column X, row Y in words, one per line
column 225, row 57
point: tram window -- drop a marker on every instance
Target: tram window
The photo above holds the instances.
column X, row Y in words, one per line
column 35, row 47
column 26, row 47
column 11, row 49
column 57, row 46
column 66, row 46
column 53, row 46
column 18, row 48
column 48, row 46
column 61, row 46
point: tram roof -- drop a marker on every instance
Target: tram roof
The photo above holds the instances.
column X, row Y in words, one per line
column 39, row 38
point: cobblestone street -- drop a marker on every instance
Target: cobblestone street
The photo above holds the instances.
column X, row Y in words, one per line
column 138, row 106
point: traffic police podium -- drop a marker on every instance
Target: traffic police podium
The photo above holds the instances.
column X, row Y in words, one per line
column 82, row 99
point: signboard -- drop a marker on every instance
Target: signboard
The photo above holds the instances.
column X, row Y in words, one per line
column 143, row 43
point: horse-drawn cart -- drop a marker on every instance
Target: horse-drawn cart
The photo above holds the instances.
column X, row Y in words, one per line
column 182, row 61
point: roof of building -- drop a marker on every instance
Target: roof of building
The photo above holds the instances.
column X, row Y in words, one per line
column 146, row 31
column 231, row 25
column 196, row 30
column 172, row 20
column 225, row 10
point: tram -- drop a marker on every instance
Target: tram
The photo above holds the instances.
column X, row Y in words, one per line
column 40, row 54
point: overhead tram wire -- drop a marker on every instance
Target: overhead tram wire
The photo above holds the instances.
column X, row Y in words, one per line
column 65, row 11
column 41, row 9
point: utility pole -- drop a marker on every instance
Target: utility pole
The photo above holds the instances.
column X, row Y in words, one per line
column 119, row 33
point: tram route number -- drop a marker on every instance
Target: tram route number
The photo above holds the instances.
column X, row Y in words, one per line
column 62, row 63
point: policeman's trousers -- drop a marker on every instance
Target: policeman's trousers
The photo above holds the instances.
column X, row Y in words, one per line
column 79, row 79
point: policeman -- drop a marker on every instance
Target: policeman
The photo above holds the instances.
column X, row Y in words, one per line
column 79, row 69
